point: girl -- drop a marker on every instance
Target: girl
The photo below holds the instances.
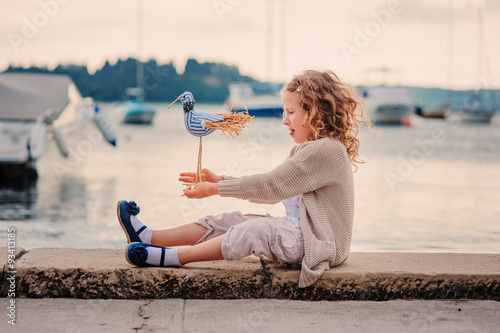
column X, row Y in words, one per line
column 314, row 183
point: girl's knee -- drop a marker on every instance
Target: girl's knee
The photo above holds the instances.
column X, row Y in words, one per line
column 251, row 237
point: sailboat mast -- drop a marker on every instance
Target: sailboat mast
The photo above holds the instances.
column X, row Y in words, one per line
column 479, row 45
column 450, row 48
column 480, row 70
column 269, row 37
column 283, row 33
column 139, row 66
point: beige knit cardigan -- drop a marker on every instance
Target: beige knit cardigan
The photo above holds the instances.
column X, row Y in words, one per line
column 319, row 171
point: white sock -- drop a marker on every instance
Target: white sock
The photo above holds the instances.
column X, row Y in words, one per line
column 146, row 234
column 171, row 257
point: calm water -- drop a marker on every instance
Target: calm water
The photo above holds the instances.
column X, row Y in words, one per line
column 432, row 187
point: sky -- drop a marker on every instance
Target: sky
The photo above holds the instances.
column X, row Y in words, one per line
column 408, row 42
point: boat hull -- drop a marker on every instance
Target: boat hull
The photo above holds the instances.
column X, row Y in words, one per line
column 391, row 114
column 434, row 114
column 482, row 115
column 138, row 113
column 388, row 105
column 139, row 118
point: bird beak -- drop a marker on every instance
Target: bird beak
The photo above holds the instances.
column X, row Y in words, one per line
column 174, row 101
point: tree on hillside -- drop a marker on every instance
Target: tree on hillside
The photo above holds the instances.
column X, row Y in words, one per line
column 208, row 81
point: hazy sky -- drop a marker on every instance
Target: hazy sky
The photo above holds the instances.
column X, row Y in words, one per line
column 349, row 37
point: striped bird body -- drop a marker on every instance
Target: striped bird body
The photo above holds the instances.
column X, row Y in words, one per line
column 195, row 121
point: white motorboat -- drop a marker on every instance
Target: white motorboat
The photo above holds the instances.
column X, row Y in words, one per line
column 35, row 108
column 388, row 105
column 260, row 99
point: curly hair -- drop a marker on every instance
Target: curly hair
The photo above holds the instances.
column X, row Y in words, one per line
column 331, row 107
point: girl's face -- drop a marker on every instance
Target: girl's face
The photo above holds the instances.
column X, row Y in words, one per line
column 294, row 117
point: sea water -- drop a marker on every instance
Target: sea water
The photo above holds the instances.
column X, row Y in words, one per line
column 430, row 187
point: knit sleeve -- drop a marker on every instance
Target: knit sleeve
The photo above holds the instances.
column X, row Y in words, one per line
column 310, row 166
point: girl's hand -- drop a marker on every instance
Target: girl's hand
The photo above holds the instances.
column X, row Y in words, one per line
column 206, row 175
column 201, row 190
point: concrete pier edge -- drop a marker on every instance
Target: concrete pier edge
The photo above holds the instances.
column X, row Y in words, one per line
column 105, row 274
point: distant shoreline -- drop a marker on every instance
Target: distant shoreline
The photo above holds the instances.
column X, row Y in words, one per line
column 209, row 80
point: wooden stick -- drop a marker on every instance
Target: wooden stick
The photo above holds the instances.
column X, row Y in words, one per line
column 198, row 168
column 174, row 102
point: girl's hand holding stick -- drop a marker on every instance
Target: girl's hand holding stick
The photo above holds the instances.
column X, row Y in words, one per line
column 203, row 188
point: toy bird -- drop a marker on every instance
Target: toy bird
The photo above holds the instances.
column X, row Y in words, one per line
column 201, row 124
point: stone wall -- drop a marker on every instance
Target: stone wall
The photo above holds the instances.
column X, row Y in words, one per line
column 105, row 274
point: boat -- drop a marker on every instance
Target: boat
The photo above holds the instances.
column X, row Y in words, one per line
column 259, row 99
column 389, row 105
column 135, row 111
column 476, row 107
column 434, row 114
column 475, row 115
column 35, row 108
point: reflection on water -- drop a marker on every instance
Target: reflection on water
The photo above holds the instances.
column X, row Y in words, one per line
column 417, row 191
column 18, row 201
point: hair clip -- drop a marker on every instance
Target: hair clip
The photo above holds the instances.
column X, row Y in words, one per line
column 299, row 88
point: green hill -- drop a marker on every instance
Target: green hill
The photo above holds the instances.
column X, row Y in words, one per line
column 208, row 80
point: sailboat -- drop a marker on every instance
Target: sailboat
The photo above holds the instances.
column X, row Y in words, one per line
column 476, row 107
column 135, row 110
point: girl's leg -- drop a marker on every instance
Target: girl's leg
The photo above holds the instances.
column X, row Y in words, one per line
column 263, row 235
column 206, row 251
column 187, row 234
column 217, row 225
column 266, row 236
column 142, row 254
column 206, row 228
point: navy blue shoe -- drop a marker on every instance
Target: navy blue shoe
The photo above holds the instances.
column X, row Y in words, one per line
column 124, row 210
column 137, row 254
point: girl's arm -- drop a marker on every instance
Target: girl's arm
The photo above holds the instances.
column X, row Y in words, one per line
column 315, row 164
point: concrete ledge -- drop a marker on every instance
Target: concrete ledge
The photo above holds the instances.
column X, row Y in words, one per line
column 102, row 273
column 7, row 254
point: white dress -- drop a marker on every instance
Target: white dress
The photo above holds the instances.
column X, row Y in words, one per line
column 292, row 208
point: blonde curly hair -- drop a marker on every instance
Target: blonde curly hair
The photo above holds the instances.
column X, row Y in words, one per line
column 333, row 109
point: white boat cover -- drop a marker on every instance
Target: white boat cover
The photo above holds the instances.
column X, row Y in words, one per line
column 26, row 96
column 382, row 95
